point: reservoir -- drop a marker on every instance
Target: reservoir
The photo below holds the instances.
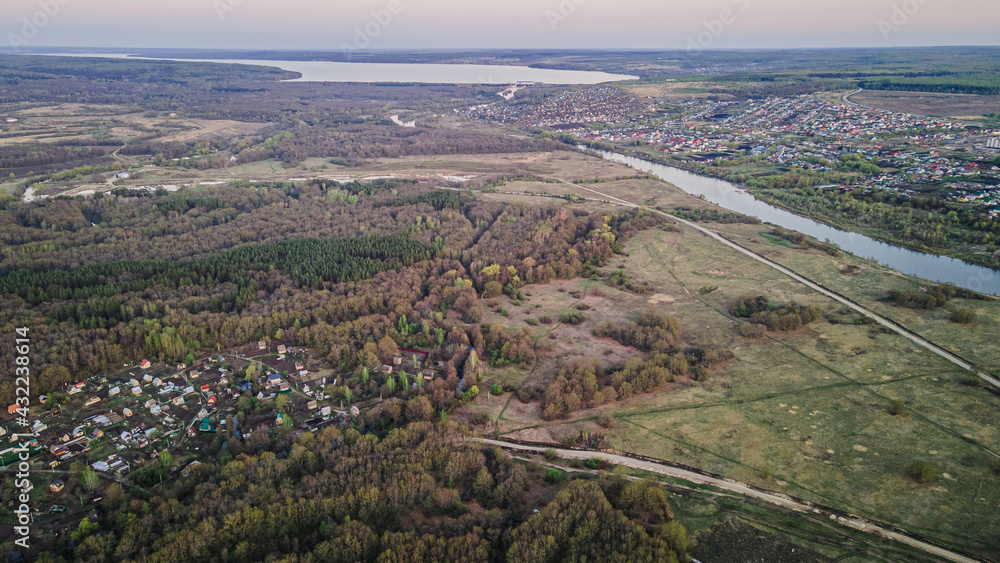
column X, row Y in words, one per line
column 920, row 264
column 326, row 71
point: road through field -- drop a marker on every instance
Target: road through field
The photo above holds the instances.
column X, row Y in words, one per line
column 742, row 489
column 887, row 323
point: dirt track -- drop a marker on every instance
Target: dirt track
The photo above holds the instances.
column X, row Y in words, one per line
column 743, row 489
column 891, row 325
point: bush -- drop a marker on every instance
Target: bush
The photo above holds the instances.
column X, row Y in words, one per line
column 528, row 394
column 964, row 316
column 496, row 389
column 897, row 407
column 605, row 420
column 553, row 475
column 572, row 318
column 922, row 472
column 550, row 454
column 752, row 330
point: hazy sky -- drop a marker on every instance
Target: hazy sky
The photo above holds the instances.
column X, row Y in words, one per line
column 332, row 24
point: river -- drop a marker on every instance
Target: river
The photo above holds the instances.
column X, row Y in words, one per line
column 920, row 264
column 418, row 73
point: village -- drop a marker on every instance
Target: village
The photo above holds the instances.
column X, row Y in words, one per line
column 117, row 423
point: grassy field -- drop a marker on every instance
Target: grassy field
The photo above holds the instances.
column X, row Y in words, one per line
column 803, row 412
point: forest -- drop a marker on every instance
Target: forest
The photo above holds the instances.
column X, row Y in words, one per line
column 396, row 260
column 421, row 492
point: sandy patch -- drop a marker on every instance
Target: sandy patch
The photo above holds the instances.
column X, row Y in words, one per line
column 659, row 298
column 860, row 448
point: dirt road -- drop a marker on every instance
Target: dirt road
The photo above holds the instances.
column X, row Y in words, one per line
column 743, row 489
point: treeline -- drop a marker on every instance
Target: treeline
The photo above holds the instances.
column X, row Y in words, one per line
column 711, row 215
column 934, row 298
column 785, row 318
column 927, row 221
column 420, row 493
column 308, row 261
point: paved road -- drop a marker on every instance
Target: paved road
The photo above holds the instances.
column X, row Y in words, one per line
column 899, row 329
column 743, row 489
column 847, row 97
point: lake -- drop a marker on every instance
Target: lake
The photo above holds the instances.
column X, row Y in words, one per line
column 923, row 265
column 325, row 71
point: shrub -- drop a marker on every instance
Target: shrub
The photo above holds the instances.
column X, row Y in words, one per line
column 496, row 389
column 964, row 316
column 532, row 322
column 897, row 407
column 553, row 475
column 572, row 318
column 606, row 420
column 550, row 454
column 545, row 319
column 922, row 472
column 752, row 330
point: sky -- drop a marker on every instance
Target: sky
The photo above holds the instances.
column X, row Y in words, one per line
column 448, row 24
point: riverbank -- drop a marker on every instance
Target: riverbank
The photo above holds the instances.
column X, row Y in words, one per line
column 873, row 233
column 933, row 267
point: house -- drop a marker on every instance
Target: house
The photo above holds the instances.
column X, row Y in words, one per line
column 13, row 408
column 212, row 400
column 157, row 381
column 193, row 374
column 299, row 366
column 78, row 431
column 273, row 380
column 145, row 364
column 397, row 360
column 155, row 409
column 121, row 176
column 178, row 400
column 56, row 486
column 133, row 382
column 58, row 450
column 137, row 390
column 325, row 411
column 311, row 405
column 284, row 388
column 147, row 378
column 386, row 369
column 206, row 425
column 101, row 466
column 261, row 345
column 114, row 391
column 73, row 390
column 149, row 403
column 92, row 401
column 282, row 349
column 204, row 388
column 304, row 373
column 127, row 412
column 355, row 411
